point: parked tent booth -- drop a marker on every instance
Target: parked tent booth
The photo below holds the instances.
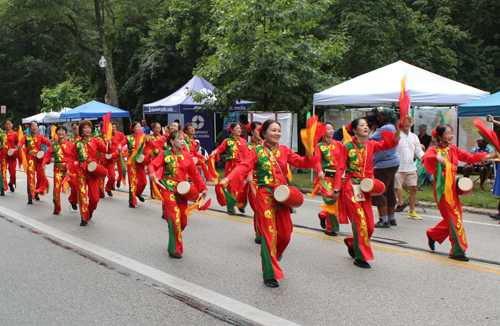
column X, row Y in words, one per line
column 94, row 109
column 181, row 105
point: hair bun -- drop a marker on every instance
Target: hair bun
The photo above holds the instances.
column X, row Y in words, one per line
column 349, row 128
column 249, row 129
column 434, row 133
column 229, row 128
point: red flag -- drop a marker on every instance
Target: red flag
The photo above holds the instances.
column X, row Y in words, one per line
column 489, row 135
column 404, row 103
column 106, row 125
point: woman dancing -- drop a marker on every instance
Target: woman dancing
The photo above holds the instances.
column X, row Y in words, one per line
column 330, row 151
column 33, row 146
column 62, row 149
column 170, row 167
column 86, row 151
column 442, row 161
column 9, row 161
column 269, row 160
column 234, row 147
column 136, row 173
column 357, row 163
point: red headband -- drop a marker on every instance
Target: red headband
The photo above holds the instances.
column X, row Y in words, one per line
column 249, row 129
column 229, row 128
column 434, row 133
column 349, row 128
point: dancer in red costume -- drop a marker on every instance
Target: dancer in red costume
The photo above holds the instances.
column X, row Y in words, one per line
column 251, row 186
column 234, row 147
column 33, row 144
column 62, row 149
column 8, row 163
column 154, row 145
column 170, row 167
column 136, row 173
column 356, row 161
column 442, row 161
column 109, row 163
column 269, row 160
column 191, row 145
column 86, row 151
column 74, row 133
column 121, row 141
column 330, row 150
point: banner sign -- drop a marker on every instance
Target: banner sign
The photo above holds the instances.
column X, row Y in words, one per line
column 203, row 124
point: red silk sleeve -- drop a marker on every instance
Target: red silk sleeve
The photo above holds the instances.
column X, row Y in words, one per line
column 156, row 165
column 195, row 176
column 341, row 165
column 48, row 156
column 430, row 160
column 238, row 176
column 386, row 143
column 301, row 162
column 45, row 141
column 221, row 149
column 468, row 157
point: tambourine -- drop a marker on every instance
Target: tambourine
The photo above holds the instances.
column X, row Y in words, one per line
column 12, row 152
column 112, row 157
column 375, row 187
column 40, row 155
column 187, row 191
column 464, row 187
column 144, row 160
column 97, row 170
column 288, row 196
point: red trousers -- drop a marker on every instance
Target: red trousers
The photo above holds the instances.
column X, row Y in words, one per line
column 137, row 181
column 12, row 162
column 35, row 171
column 119, row 165
column 240, row 197
column 3, row 174
column 361, row 216
column 252, row 201
column 276, row 229
column 174, row 209
column 88, row 193
column 451, row 226
column 58, row 178
column 110, row 166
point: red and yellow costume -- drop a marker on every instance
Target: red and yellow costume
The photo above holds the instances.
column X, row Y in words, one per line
column 84, row 152
column 33, row 145
column 192, row 148
column 3, row 163
column 121, row 140
column 172, row 167
column 252, row 198
column 273, row 218
column 137, row 180
column 9, row 162
column 109, row 165
column 450, row 208
column 357, row 163
column 63, row 166
column 234, row 147
column 331, row 151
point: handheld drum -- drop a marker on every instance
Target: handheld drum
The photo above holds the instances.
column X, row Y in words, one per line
column 288, row 196
column 97, row 170
column 187, row 191
column 195, row 159
column 40, row 155
column 374, row 187
column 112, row 156
column 12, row 152
column 464, row 187
column 144, row 160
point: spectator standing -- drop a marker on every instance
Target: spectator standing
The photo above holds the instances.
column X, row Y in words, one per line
column 409, row 147
column 41, row 130
column 145, row 129
column 243, row 123
column 423, row 137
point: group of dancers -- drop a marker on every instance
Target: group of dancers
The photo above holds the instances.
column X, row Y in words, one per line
column 254, row 169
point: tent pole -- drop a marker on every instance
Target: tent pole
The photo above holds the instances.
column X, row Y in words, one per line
column 314, row 113
column 215, row 130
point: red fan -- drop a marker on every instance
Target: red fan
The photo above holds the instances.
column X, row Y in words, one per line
column 489, row 135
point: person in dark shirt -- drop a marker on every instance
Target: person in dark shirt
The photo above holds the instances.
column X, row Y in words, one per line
column 424, row 138
column 243, row 123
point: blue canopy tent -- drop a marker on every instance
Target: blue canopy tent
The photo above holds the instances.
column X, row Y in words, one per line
column 482, row 107
column 181, row 102
column 94, row 109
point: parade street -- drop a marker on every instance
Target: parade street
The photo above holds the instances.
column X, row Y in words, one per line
column 116, row 270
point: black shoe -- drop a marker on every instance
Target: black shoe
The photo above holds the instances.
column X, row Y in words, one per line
column 400, row 208
column 163, row 216
column 83, row 224
column 242, row 210
column 74, row 206
column 90, row 216
column 272, row 283
column 322, row 222
column 331, row 233
column 496, row 216
column 230, row 213
column 110, row 194
column 55, row 213
column 11, row 187
column 101, row 196
column 432, row 243
column 112, row 188
column 30, row 202
column 131, row 206
column 117, row 185
column 37, row 198
column 2, row 193
column 258, row 241
column 350, row 250
column 361, row 263
column 175, row 256
column 393, row 222
column 141, row 199
column 383, row 225
column 459, row 257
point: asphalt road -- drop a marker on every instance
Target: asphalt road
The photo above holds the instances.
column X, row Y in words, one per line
column 117, row 270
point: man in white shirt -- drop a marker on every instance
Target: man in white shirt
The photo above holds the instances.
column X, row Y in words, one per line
column 409, row 148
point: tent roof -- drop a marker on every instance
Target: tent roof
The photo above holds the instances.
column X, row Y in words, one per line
column 94, row 109
column 181, row 99
column 382, row 87
column 482, row 107
column 46, row 117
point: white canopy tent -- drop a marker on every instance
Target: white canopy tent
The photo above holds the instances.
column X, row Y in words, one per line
column 46, row 117
column 382, row 87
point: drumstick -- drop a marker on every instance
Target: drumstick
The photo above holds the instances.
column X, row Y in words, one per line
column 161, row 185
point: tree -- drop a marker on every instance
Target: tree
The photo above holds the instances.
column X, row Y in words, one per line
column 63, row 95
column 265, row 51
